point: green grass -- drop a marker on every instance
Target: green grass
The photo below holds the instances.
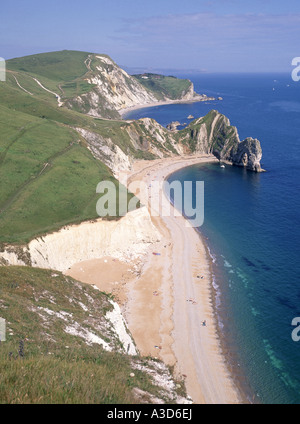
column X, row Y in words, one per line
column 161, row 85
column 59, row 66
column 35, row 198
column 64, row 193
column 63, row 72
column 76, row 88
column 41, row 363
column 48, row 176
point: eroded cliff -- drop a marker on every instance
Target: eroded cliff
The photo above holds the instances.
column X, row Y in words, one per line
column 112, row 89
column 126, row 239
column 211, row 134
column 214, row 134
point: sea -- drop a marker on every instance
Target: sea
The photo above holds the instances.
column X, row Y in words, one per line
column 251, row 228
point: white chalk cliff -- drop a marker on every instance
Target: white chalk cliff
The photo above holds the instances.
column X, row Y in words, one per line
column 126, row 239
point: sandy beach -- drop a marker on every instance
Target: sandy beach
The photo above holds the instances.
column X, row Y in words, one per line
column 168, row 294
column 198, row 98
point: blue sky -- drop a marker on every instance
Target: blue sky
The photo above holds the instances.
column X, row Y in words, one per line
column 209, row 35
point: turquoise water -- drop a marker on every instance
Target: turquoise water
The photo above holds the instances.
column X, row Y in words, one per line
column 252, row 228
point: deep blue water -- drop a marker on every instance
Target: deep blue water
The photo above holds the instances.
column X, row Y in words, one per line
column 252, row 228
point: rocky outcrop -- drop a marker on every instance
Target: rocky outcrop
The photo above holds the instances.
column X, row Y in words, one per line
column 248, row 155
column 107, row 151
column 211, row 134
column 173, row 126
column 189, row 94
column 214, row 134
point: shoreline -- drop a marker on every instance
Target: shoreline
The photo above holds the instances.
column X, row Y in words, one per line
column 244, row 392
column 168, row 294
column 212, row 382
column 126, row 110
column 236, row 376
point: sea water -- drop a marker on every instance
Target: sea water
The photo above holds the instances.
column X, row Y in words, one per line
column 252, row 228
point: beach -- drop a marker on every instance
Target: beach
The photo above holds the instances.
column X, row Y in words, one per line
column 168, row 294
column 198, row 98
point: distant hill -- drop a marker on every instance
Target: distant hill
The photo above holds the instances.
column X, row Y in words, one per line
column 166, row 86
column 59, row 66
column 95, row 84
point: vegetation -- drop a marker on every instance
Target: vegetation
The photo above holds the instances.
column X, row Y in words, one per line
column 41, row 363
column 163, row 86
column 223, row 138
column 48, row 176
column 59, row 66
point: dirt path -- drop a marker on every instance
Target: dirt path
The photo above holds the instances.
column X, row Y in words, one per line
column 22, row 88
column 60, row 103
column 88, row 62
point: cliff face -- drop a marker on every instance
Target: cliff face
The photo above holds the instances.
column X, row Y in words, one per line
column 95, row 85
column 125, row 239
column 214, row 134
column 211, row 134
column 168, row 87
column 112, row 90
column 248, row 154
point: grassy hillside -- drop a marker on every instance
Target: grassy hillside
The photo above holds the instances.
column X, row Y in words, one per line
column 48, row 176
column 63, row 72
column 42, row 362
column 161, row 85
column 59, row 66
column 66, row 72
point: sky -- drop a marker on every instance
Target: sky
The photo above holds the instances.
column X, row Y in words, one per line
column 200, row 35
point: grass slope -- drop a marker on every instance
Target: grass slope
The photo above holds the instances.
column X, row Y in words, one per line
column 59, row 66
column 164, row 86
column 48, row 176
column 41, row 363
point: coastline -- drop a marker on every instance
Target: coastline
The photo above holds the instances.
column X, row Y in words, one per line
column 163, row 297
column 196, row 99
column 197, row 356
